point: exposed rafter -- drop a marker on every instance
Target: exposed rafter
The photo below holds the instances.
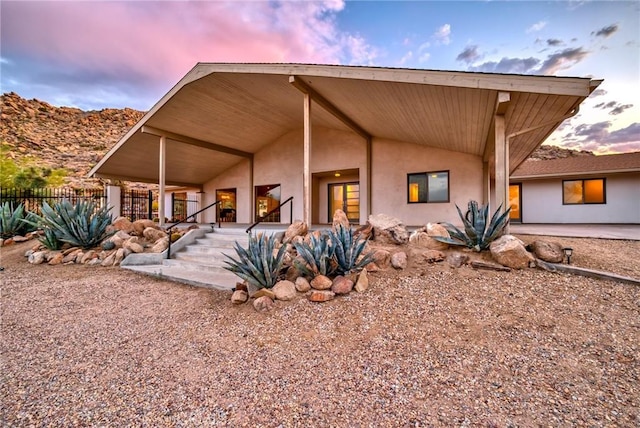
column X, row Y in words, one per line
column 328, row 106
column 194, row 141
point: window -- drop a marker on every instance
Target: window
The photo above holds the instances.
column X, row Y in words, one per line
column 428, row 187
column 590, row 191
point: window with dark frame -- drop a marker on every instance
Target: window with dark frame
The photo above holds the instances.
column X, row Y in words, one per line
column 584, row 191
column 428, row 187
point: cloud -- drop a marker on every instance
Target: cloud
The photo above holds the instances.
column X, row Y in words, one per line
column 563, row 60
column 406, row 58
column 509, row 65
column 597, row 137
column 598, row 93
column 537, row 27
column 469, row 54
column 606, row 31
column 141, row 49
column 442, row 35
column 424, row 57
column 554, row 42
column 616, row 107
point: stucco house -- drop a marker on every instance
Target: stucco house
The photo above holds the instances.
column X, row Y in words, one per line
column 368, row 140
column 581, row 189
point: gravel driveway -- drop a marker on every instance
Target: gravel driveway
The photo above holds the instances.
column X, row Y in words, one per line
column 430, row 346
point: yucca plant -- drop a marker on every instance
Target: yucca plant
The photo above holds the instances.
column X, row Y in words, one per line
column 348, row 250
column 12, row 220
column 317, row 257
column 257, row 264
column 81, row 225
column 477, row 234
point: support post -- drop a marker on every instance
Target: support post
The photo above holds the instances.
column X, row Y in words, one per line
column 369, row 175
column 114, row 197
column 306, row 173
column 501, row 163
column 161, row 179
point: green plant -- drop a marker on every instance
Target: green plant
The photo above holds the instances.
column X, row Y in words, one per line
column 317, row 257
column 348, row 250
column 81, row 225
column 50, row 240
column 258, row 265
column 477, row 234
column 12, row 220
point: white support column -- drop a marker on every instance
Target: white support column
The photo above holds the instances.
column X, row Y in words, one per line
column 369, row 174
column 161, row 180
column 113, row 200
column 501, row 163
column 306, row 172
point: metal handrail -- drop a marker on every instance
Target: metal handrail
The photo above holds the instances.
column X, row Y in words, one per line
column 271, row 212
column 185, row 219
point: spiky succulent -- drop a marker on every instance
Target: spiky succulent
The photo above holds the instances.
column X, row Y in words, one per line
column 317, row 257
column 258, row 265
column 348, row 250
column 81, row 225
column 12, row 220
column 477, row 234
column 50, row 240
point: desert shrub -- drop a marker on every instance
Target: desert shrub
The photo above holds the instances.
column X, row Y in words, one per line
column 12, row 220
column 317, row 257
column 347, row 250
column 258, row 265
column 477, row 234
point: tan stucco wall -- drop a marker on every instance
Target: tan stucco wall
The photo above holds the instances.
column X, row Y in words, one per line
column 238, row 177
column 282, row 163
column 542, row 202
column 393, row 160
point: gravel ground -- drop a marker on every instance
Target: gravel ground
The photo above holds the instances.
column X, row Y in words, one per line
column 429, row 346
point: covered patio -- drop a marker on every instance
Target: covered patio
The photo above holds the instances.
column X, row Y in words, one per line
column 225, row 120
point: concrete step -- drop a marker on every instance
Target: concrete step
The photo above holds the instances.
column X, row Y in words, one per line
column 188, row 274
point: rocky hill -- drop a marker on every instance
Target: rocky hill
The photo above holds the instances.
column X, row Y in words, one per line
column 65, row 137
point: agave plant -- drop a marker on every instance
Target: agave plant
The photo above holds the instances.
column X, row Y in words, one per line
column 317, row 257
column 12, row 220
column 348, row 250
column 50, row 240
column 477, row 234
column 257, row 264
column 81, row 225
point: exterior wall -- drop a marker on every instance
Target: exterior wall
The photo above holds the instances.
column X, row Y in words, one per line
column 393, row 160
column 542, row 202
column 332, row 150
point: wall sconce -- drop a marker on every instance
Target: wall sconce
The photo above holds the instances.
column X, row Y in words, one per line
column 568, row 251
column 337, row 174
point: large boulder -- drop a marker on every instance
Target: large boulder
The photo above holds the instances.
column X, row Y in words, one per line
column 510, row 251
column 548, row 251
column 423, row 237
column 153, row 234
column 399, row 260
column 263, row 304
column 284, row 290
column 342, row 285
column 340, row 219
column 140, row 225
column 387, row 229
column 123, row 224
column 321, row 282
column 297, row 228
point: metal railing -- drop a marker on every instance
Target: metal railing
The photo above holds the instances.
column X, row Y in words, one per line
column 260, row 219
column 184, row 220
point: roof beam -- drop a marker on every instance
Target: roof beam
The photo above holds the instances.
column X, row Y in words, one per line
column 328, row 106
column 194, row 141
column 145, row 180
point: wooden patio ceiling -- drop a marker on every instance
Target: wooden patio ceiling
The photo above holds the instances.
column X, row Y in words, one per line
column 245, row 107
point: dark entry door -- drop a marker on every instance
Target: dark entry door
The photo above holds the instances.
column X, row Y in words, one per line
column 346, row 197
column 227, row 205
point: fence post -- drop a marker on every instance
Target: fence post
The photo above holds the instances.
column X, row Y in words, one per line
column 150, row 205
column 173, row 206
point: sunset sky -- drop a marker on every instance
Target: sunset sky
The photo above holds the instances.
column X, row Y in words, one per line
column 99, row 54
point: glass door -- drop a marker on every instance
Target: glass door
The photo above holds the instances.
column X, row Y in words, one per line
column 227, row 205
column 346, row 197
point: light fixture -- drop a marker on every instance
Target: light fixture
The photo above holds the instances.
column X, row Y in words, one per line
column 337, row 174
column 568, row 251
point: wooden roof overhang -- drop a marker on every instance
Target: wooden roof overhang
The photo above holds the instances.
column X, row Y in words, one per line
column 219, row 114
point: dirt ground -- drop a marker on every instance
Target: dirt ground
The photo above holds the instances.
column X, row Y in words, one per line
column 427, row 346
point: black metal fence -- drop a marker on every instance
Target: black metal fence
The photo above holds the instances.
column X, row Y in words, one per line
column 32, row 199
column 138, row 204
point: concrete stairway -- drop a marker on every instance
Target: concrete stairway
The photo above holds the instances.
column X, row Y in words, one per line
column 200, row 263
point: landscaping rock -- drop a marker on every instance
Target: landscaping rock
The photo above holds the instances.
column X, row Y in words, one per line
column 160, row 245
column 423, row 237
column 263, row 304
column 123, row 224
column 120, row 255
column 340, row 219
column 363, row 282
column 433, row 256
column 284, row 290
column 19, row 238
column 87, row 257
column 456, row 259
column 292, row 273
column 56, row 259
column 321, row 295
column 548, row 251
column 152, row 234
column 302, row 285
column 264, row 292
column 140, row 225
column 71, row 257
column 342, row 285
column 37, row 257
column 109, row 260
column 297, row 228
column 510, row 251
column 382, row 258
column 133, row 245
column 399, row 260
column 387, row 229
column 239, row 296
column 321, row 282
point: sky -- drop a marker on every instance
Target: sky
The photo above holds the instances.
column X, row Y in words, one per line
column 113, row 54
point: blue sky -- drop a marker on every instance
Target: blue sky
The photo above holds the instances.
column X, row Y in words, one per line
column 97, row 54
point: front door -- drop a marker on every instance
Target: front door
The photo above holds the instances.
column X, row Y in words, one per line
column 345, row 197
column 227, row 205
column 515, row 202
